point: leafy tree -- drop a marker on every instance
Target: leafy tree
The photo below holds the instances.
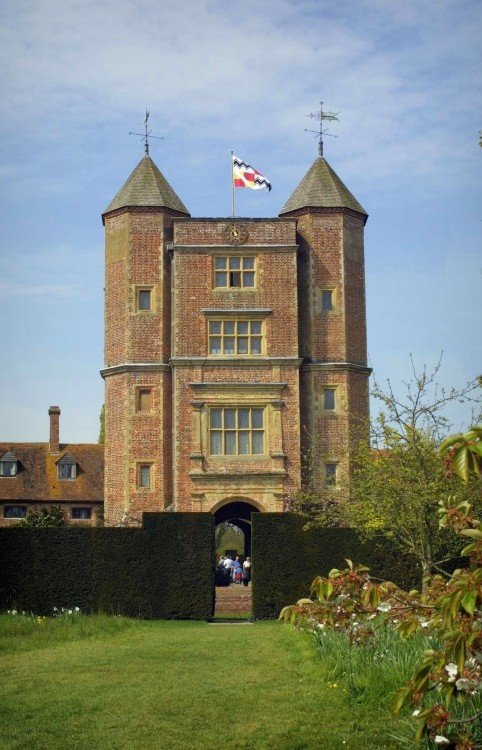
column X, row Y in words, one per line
column 101, row 440
column 398, row 478
column 224, row 533
column 44, row 517
column 398, row 481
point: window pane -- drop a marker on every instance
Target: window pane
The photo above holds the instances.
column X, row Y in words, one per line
column 256, row 417
column 243, row 418
column 234, row 264
column 214, row 326
column 329, row 398
column 243, row 443
column 229, row 345
column 235, row 278
column 221, row 278
column 257, row 442
column 248, row 263
column 66, row 471
column 229, row 418
column 220, row 262
column 330, row 473
column 248, row 278
column 243, row 326
column 327, row 300
column 216, row 443
column 230, row 443
column 15, row 511
column 228, row 326
column 255, row 326
column 242, row 345
column 256, row 345
column 145, row 476
column 81, row 513
column 215, row 345
column 216, row 418
column 144, row 299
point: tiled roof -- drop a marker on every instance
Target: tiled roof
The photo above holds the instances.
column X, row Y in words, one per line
column 37, row 475
column 147, row 186
column 321, row 188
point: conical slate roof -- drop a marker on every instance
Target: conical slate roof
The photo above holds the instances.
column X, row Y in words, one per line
column 147, row 186
column 321, row 188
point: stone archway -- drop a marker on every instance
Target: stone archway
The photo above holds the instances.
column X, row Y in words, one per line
column 238, row 512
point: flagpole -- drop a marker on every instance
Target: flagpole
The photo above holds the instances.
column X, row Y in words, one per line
column 232, row 181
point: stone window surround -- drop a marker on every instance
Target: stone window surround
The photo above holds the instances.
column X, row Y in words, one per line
column 237, row 395
column 136, row 289
column 139, row 466
column 334, row 299
column 138, row 389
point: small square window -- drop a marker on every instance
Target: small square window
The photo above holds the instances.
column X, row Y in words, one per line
column 329, row 399
column 144, row 477
column 81, row 514
column 330, row 474
column 144, row 301
column 15, row 511
column 144, row 399
column 327, row 300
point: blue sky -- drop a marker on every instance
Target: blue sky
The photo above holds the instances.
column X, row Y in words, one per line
column 215, row 75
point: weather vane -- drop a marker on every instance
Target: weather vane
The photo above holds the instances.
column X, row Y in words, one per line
column 320, row 133
column 147, row 134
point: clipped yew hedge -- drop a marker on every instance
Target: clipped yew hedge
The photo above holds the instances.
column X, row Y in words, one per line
column 165, row 570
column 287, row 557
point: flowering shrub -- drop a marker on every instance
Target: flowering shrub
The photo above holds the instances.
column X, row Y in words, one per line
column 445, row 691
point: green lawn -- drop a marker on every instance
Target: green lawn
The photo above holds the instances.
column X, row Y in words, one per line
column 120, row 683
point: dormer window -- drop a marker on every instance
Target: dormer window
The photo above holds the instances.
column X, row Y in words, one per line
column 8, row 465
column 67, row 467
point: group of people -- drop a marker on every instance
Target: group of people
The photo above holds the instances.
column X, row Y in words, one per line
column 238, row 572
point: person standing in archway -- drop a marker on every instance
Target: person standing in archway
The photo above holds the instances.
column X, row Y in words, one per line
column 246, row 571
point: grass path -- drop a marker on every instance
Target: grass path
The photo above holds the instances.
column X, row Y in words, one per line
column 180, row 686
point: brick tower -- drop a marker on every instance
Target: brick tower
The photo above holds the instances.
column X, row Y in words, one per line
column 232, row 346
column 137, row 374
column 332, row 320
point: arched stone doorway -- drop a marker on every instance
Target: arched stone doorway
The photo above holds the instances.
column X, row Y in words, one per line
column 238, row 512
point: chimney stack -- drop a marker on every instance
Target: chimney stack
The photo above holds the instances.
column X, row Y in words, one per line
column 54, row 443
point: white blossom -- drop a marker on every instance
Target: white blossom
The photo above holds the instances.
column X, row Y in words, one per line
column 463, row 684
column 77, row 609
column 384, row 607
column 452, row 670
column 416, row 712
column 441, row 740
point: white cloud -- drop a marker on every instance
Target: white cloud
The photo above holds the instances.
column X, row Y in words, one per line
column 403, row 74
